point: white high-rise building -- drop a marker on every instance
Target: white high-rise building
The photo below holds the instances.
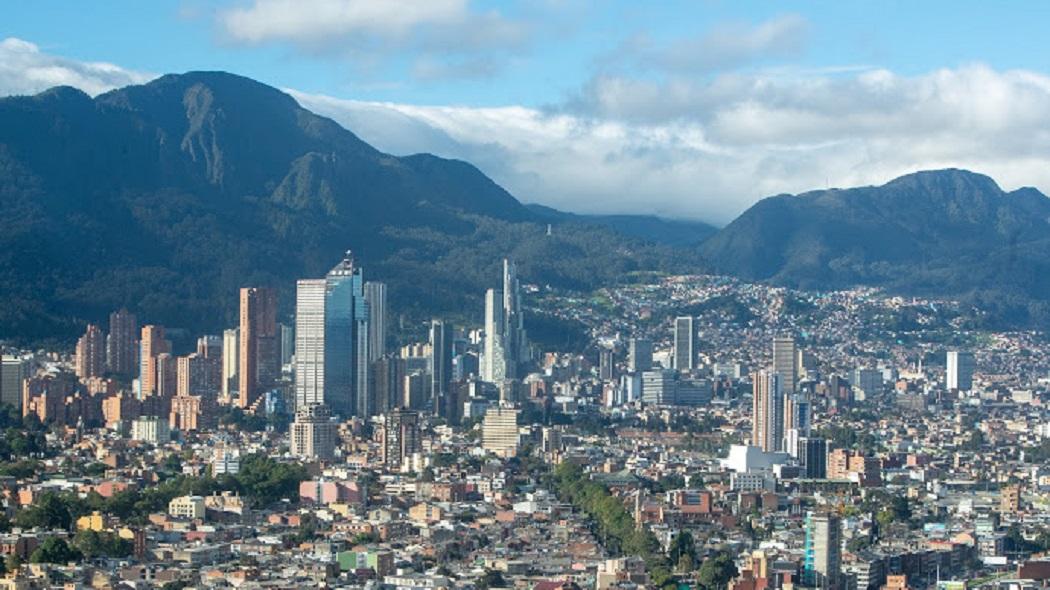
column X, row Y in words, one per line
column 493, row 361
column 960, row 369
column 499, row 431
column 685, row 343
column 230, row 352
column 331, row 342
column 785, row 363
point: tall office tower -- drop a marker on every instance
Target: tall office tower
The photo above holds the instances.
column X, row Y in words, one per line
column 785, row 363
column 13, row 370
column 120, row 343
column 767, row 416
column 231, row 345
column 91, row 353
column 287, row 344
column 960, row 370
column 412, row 389
column 331, row 342
column 387, row 383
column 151, row 344
column 258, row 344
column 515, row 342
column 167, row 375
column 375, row 296
column 440, row 366
column 499, row 431
column 639, row 355
column 798, row 421
column 823, row 552
column 685, row 338
column 494, row 359
column 400, row 438
column 313, row 433
column 813, row 455
column 606, row 363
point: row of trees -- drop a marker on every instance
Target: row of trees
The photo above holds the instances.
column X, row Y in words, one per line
column 261, row 480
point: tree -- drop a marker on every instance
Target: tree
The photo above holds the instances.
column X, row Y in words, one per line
column 682, row 546
column 716, row 572
column 490, row 579
column 54, row 550
column 51, row 512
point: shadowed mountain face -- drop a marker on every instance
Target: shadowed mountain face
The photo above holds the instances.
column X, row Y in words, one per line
column 169, row 196
column 944, row 232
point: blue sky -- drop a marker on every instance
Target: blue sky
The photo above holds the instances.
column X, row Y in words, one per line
column 687, row 109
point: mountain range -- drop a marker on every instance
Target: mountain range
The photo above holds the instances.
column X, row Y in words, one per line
column 167, row 197
column 943, row 232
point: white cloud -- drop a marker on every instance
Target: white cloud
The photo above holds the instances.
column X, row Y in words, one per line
column 444, row 38
column 711, row 149
column 25, row 69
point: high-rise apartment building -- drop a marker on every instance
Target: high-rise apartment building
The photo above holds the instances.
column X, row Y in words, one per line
column 167, row 376
column 639, row 355
column 440, row 366
column 287, row 344
column 13, row 370
column 685, row 344
column 375, row 296
column 231, row 345
column 151, row 344
column 91, row 353
column 959, row 374
column 120, row 343
column 258, row 354
column 767, row 426
column 823, row 552
column 331, row 342
column 400, row 438
column 499, row 431
column 313, row 433
column 785, row 363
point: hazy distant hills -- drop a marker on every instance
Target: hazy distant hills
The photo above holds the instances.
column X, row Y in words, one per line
column 167, row 197
column 947, row 232
column 671, row 232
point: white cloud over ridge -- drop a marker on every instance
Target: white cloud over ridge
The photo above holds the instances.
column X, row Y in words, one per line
column 702, row 148
column 25, row 69
column 710, row 149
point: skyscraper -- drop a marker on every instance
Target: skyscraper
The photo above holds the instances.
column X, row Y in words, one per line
column 823, row 552
column 440, row 366
column 331, row 342
column 120, row 343
column 767, row 426
column 231, row 344
column 514, row 339
column 493, row 361
column 785, row 363
column 959, row 374
column 400, row 438
column 167, row 375
column 606, row 364
column 639, row 355
column 151, row 344
column 375, row 296
column 91, row 353
column 685, row 341
column 258, row 354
